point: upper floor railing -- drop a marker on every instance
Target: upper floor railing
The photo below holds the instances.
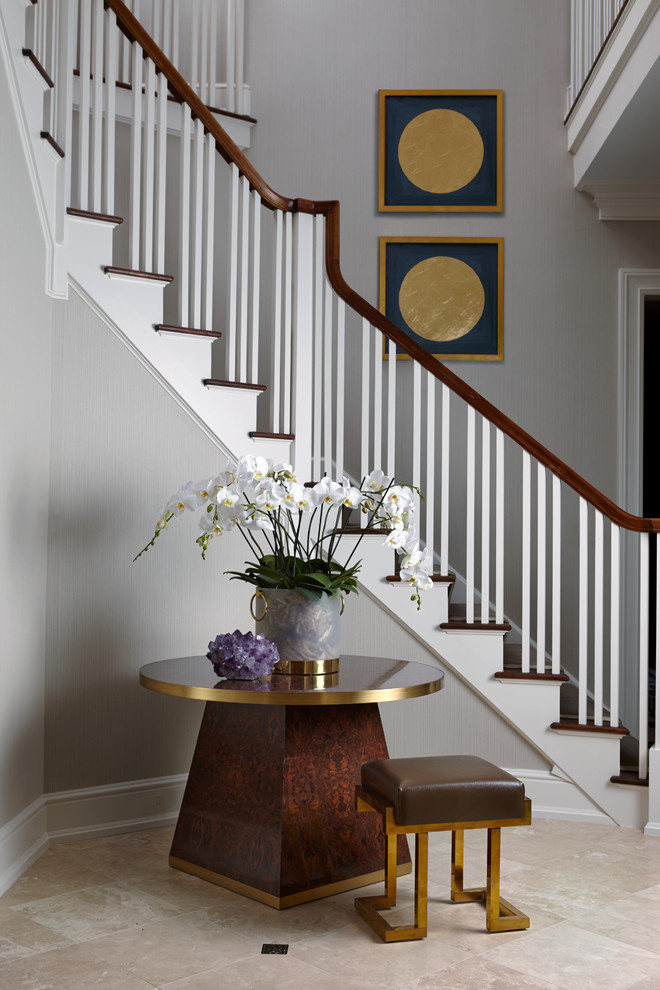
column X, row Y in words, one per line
column 592, row 22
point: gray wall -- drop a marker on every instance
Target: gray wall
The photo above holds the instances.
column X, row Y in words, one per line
column 315, row 69
column 25, row 315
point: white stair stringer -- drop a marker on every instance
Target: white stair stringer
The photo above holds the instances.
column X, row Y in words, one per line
column 588, row 759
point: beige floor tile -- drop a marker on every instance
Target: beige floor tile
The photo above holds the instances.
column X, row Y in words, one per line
column 170, row 950
column 70, row 968
column 96, row 911
column 54, row 873
column 576, row 959
column 369, row 962
column 120, row 856
column 634, row 919
column 21, row 937
column 479, row 974
column 268, row 971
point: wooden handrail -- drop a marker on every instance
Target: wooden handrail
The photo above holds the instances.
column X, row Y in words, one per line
column 330, row 209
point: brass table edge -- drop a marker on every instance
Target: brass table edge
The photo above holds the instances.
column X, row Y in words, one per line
column 290, row 900
column 313, row 697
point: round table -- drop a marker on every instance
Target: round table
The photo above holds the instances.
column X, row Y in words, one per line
column 269, row 808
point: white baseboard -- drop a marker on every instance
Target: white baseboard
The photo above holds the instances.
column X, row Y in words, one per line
column 86, row 813
column 652, row 828
column 22, row 841
column 556, row 798
column 114, row 808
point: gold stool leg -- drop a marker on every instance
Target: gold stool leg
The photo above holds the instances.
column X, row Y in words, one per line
column 500, row 915
column 421, row 882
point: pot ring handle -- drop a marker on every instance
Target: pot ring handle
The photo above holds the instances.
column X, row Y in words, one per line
column 258, row 594
column 342, row 603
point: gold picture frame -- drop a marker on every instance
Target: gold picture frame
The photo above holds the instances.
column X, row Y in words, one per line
column 440, row 150
column 446, row 294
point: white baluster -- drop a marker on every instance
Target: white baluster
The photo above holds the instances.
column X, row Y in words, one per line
column 391, row 408
column 417, row 427
column 108, row 178
column 166, row 28
column 430, row 462
column 643, row 654
column 599, row 618
column 195, row 44
column 84, row 105
column 213, row 47
column 176, row 30
column 499, row 527
column 526, row 558
column 240, row 56
column 276, row 412
column 161, row 176
column 378, row 342
column 540, row 569
column 615, row 610
column 339, row 391
column 97, row 106
column 66, row 37
column 319, row 284
column 364, row 415
column 556, row 575
column 208, row 233
column 303, row 227
column 245, row 276
column 288, row 320
column 136, row 156
column 327, row 382
column 204, row 34
column 230, row 100
column 232, row 313
column 197, row 234
column 469, row 516
column 485, row 520
column 444, row 492
column 256, row 282
column 656, row 712
column 583, row 632
column 148, row 169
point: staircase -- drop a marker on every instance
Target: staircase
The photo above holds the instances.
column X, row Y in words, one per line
column 232, row 296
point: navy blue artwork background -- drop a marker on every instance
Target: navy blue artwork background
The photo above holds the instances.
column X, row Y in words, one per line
column 400, row 257
column 481, row 190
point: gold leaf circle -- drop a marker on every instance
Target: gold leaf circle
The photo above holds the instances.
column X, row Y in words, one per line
column 440, row 151
column 441, row 299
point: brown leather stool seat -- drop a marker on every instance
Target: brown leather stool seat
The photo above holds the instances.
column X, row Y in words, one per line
column 441, row 793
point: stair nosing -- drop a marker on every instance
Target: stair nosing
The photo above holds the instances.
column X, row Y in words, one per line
column 219, row 383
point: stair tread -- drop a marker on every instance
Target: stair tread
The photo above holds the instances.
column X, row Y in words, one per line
column 630, row 777
column 436, row 578
column 512, row 666
column 47, row 136
column 220, row 383
column 457, row 619
column 89, row 215
column 28, row 53
column 570, row 725
column 260, row 435
column 136, row 273
column 192, row 331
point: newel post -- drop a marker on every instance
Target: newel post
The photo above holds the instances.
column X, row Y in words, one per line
column 302, row 357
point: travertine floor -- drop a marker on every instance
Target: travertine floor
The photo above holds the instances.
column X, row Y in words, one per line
column 111, row 913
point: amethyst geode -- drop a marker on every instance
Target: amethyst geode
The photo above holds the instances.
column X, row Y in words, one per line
column 242, row 656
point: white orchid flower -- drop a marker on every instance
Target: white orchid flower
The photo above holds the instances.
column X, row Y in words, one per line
column 258, row 520
column 348, row 496
column 301, row 498
column 397, row 538
column 376, row 481
column 227, row 498
column 184, row 499
column 204, row 490
column 416, row 568
column 270, row 499
column 252, row 469
column 326, row 489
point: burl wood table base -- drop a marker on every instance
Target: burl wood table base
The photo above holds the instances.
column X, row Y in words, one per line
column 269, row 808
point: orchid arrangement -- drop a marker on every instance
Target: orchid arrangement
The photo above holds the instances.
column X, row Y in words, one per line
column 294, row 530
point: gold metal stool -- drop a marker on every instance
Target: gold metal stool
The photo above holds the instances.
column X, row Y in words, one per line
column 438, row 794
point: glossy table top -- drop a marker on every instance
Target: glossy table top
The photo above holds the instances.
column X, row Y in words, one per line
column 360, row 680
